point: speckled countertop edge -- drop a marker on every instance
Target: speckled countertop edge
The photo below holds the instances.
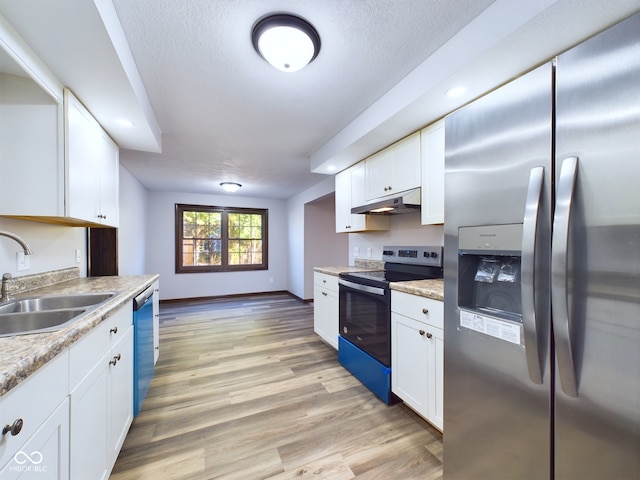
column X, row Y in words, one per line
column 22, row 355
column 433, row 289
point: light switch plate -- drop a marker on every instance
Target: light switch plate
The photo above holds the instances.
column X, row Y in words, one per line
column 22, row 261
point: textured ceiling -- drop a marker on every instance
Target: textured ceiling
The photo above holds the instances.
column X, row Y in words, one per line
column 186, row 73
column 226, row 114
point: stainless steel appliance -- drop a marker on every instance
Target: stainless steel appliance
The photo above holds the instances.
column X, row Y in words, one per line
column 542, row 271
column 143, row 353
column 364, row 344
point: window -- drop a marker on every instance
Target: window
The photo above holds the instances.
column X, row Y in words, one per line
column 214, row 239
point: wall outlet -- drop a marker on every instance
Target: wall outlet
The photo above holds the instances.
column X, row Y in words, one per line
column 78, row 255
column 270, row 279
column 356, row 251
column 23, row 261
column 368, row 252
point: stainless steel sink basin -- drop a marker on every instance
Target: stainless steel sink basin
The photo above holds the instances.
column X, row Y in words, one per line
column 46, row 313
column 19, row 323
column 54, row 302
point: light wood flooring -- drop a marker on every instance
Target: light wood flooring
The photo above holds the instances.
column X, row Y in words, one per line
column 244, row 389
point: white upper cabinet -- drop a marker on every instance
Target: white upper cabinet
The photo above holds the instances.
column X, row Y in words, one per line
column 50, row 171
column 394, row 169
column 433, row 174
column 350, row 192
column 92, row 159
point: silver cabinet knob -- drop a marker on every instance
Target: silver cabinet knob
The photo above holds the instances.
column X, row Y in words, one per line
column 425, row 311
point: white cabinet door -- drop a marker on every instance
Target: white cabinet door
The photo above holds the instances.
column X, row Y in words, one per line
column 120, row 403
column 92, row 167
column 46, row 453
column 433, row 174
column 409, row 360
column 350, row 192
column 325, row 308
column 417, row 354
column 406, row 163
column 88, row 431
column 394, row 169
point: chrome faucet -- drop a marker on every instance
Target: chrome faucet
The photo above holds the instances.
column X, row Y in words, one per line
column 17, row 238
column 6, row 278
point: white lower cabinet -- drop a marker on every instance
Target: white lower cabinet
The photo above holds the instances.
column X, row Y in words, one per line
column 325, row 307
column 417, row 354
column 101, row 396
column 40, row 448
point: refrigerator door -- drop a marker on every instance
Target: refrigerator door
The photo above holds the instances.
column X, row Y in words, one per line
column 596, row 257
column 497, row 374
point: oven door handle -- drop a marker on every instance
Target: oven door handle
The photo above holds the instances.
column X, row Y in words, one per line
column 362, row 288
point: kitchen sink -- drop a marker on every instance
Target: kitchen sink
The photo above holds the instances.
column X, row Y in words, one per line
column 54, row 302
column 20, row 323
column 46, row 313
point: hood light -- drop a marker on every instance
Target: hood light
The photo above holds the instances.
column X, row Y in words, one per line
column 382, row 210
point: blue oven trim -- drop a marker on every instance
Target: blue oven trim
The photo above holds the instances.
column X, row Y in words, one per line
column 373, row 374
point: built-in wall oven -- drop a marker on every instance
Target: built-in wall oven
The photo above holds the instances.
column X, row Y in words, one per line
column 364, row 344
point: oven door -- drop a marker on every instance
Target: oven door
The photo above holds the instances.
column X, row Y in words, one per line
column 365, row 318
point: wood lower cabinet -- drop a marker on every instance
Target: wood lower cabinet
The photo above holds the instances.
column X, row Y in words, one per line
column 417, row 354
column 325, row 308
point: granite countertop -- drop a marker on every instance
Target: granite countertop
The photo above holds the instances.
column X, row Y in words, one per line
column 335, row 271
column 433, row 289
column 22, row 355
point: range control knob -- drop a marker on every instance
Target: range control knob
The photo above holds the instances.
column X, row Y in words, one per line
column 387, row 252
column 434, row 255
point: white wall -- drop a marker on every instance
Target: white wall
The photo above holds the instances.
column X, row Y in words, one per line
column 296, row 235
column 132, row 232
column 53, row 246
column 322, row 245
column 161, row 249
column 405, row 230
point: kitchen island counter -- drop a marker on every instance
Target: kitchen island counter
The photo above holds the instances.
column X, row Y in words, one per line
column 22, row 355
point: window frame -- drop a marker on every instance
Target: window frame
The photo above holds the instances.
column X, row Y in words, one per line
column 180, row 208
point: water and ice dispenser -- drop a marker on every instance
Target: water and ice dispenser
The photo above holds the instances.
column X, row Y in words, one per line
column 489, row 283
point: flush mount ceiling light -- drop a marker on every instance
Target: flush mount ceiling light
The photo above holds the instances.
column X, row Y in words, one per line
column 286, row 41
column 230, row 186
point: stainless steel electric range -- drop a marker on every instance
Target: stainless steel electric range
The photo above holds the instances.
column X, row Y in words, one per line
column 364, row 344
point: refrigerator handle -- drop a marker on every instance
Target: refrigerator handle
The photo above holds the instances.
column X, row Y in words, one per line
column 527, row 271
column 559, row 277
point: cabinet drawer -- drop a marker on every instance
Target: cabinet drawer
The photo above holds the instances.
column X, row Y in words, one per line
column 329, row 282
column 33, row 401
column 87, row 351
column 420, row 308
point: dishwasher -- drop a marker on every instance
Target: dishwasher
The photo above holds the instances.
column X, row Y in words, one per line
column 142, row 347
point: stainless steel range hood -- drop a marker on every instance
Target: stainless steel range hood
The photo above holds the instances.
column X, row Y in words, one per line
column 405, row 202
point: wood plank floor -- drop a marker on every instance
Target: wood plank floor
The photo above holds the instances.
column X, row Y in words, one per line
column 244, row 389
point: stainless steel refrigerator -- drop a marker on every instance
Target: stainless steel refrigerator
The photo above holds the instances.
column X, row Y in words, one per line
column 542, row 271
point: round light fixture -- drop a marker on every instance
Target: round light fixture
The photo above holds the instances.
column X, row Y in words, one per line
column 286, row 41
column 230, row 186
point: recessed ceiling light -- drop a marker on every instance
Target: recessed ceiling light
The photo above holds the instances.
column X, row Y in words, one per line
column 230, row 186
column 456, row 91
column 123, row 122
column 331, row 168
column 286, row 41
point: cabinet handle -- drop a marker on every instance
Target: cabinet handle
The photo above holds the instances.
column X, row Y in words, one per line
column 114, row 330
column 324, row 293
column 429, row 335
column 425, row 311
column 14, row 429
column 390, row 188
column 421, row 332
column 115, row 359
